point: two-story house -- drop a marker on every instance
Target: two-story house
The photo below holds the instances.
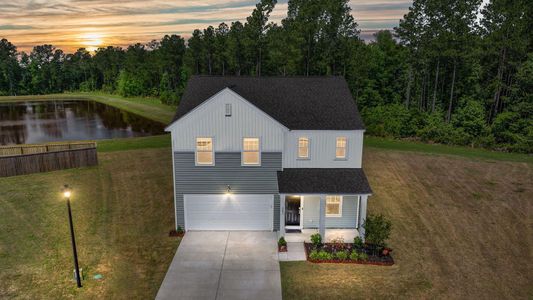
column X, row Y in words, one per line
column 270, row 153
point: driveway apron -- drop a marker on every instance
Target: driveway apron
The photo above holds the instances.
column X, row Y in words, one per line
column 224, row 265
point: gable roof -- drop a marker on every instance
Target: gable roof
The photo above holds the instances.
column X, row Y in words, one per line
column 299, row 103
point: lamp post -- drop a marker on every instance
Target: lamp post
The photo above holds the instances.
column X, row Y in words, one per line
column 67, row 193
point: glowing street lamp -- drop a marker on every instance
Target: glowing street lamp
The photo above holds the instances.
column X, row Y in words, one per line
column 67, row 192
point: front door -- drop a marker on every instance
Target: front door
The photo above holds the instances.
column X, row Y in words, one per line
column 292, row 211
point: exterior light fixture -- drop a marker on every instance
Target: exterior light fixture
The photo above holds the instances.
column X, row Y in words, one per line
column 228, row 190
column 67, row 192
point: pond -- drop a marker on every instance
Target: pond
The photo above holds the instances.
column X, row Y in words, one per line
column 69, row 120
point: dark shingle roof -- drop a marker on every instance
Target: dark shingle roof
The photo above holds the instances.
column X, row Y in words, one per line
column 297, row 102
column 335, row 181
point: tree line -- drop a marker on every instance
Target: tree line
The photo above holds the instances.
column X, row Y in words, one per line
column 451, row 72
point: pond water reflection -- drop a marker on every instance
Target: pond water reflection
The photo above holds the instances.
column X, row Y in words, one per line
column 50, row 121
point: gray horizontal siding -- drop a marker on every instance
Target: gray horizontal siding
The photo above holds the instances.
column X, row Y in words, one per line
column 191, row 179
column 347, row 220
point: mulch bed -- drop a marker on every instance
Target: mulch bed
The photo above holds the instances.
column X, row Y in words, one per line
column 375, row 257
column 174, row 233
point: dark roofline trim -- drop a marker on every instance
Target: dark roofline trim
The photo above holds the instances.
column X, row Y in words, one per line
column 327, row 194
column 238, row 97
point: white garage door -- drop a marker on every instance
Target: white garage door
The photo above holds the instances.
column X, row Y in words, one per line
column 233, row 212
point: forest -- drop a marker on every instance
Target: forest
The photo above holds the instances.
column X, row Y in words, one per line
column 452, row 72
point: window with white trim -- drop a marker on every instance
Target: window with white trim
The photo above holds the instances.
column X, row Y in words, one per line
column 251, row 155
column 204, row 151
column 340, row 147
column 333, row 206
column 303, row 147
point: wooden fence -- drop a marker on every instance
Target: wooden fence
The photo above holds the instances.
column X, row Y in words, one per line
column 27, row 159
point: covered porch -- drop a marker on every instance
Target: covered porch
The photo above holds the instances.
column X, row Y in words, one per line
column 332, row 202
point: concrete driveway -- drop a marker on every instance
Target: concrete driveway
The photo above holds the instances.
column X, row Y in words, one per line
column 224, row 265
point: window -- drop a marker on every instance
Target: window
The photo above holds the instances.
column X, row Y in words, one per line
column 340, row 151
column 251, row 156
column 228, row 109
column 303, row 147
column 204, row 151
column 333, row 206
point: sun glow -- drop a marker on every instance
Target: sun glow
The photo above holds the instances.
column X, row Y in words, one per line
column 92, row 40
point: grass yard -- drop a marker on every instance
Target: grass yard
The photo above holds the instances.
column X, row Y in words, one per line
column 461, row 229
column 122, row 214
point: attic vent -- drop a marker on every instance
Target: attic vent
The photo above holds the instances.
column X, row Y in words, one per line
column 228, row 109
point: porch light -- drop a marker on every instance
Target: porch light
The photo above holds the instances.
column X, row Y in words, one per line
column 228, row 190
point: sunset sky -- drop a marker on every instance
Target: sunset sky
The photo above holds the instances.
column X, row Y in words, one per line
column 71, row 24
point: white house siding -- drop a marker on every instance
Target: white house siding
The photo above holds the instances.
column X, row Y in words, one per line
column 347, row 220
column 322, row 145
column 209, row 120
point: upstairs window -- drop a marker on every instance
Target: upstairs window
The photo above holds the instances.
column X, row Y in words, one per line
column 251, row 156
column 204, row 151
column 303, row 147
column 333, row 206
column 340, row 151
column 228, row 109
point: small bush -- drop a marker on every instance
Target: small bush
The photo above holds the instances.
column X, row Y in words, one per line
column 316, row 239
column 363, row 256
column 282, row 242
column 313, row 255
column 358, row 242
column 342, row 255
column 324, row 255
column 377, row 229
column 338, row 243
column 179, row 230
column 354, row 255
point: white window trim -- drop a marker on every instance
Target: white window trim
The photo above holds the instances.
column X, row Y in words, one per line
column 242, row 151
column 196, row 151
column 298, row 148
column 345, row 149
column 340, row 207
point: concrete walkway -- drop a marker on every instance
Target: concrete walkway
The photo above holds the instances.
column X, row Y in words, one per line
column 224, row 265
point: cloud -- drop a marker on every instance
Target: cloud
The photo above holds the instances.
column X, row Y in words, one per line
column 63, row 23
column 15, row 27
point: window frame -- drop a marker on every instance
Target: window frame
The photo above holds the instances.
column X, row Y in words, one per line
column 337, row 215
column 308, row 148
column 243, row 151
column 345, row 148
column 196, row 163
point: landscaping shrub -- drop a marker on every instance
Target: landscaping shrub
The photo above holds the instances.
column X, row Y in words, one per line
column 354, row 255
column 282, row 242
column 377, row 229
column 316, row 239
column 324, row 255
column 338, row 243
column 358, row 242
column 363, row 256
column 313, row 255
column 180, row 230
column 342, row 255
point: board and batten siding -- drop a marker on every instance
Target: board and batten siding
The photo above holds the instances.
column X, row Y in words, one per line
column 191, row 179
column 322, row 146
column 209, row 120
column 347, row 220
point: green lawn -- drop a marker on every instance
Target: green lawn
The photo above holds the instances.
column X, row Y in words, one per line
column 122, row 212
column 472, row 153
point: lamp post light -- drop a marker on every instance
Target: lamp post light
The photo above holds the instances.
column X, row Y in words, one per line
column 66, row 194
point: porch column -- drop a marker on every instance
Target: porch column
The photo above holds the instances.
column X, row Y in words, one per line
column 362, row 216
column 322, row 217
column 281, row 215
